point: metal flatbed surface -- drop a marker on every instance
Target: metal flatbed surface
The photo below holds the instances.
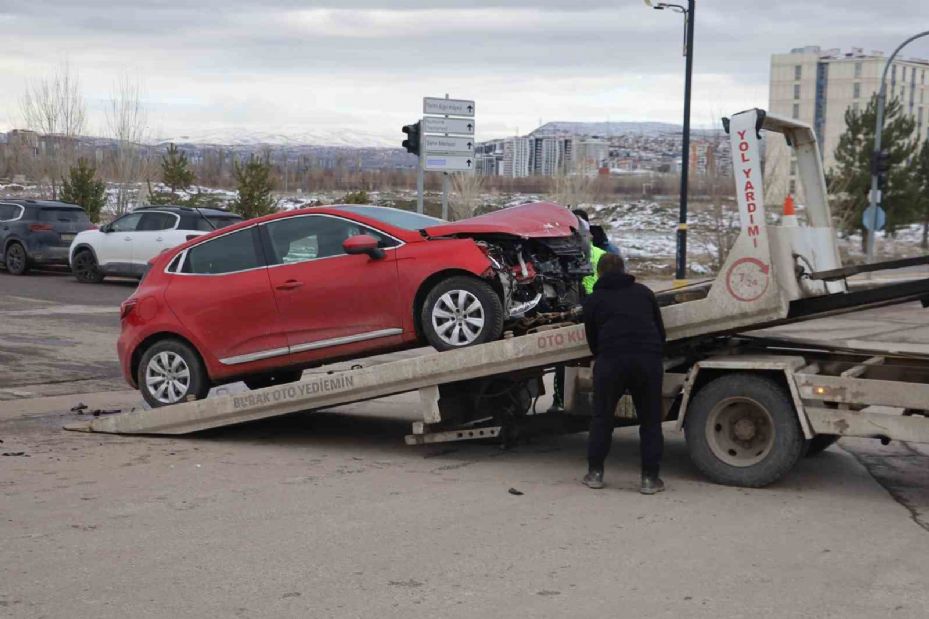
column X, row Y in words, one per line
column 507, row 355
column 541, row 349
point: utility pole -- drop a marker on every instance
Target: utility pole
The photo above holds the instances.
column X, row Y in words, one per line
column 877, row 157
column 680, row 269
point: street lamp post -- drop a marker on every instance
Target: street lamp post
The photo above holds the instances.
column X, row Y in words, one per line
column 875, row 195
column 680, row 270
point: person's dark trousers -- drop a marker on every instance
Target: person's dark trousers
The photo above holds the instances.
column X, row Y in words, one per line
column 642, row 376
column 558, row 395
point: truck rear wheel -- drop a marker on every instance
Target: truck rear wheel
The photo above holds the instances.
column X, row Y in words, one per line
column 742, row 430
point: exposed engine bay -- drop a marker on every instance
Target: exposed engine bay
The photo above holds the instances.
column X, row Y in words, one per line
column 538, row 275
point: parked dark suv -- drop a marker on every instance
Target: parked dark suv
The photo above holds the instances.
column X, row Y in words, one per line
column 38, row 232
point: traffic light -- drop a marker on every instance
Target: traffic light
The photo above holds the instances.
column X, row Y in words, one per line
column 880, row 165
column 411, row 143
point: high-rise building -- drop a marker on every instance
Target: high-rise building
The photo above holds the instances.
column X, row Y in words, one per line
column 590, row 154
column 547, row 156
column 516, row 157
column 817, row 86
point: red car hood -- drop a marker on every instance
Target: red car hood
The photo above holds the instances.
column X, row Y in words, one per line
column 534, row 220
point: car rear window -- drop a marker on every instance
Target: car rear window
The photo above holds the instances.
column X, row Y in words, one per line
column 233, row 252
column 220, row 221
column 67, row 215
column 394, row 216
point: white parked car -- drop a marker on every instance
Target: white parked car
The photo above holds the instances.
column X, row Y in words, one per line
column 124, row 246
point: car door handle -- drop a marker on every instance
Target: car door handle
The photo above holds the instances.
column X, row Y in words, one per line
column 127, row 238
column 290, row 284
column 159, row 239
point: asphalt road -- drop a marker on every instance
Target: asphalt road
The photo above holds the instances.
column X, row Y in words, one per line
column 328, row 514
column 59, row 336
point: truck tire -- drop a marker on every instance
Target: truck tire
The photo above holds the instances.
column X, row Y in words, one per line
column 742, row 430
column 819, row 444
column 16, row 259
column 85, row 267
column 260, row 381
column 170, row 372
column 461, row 311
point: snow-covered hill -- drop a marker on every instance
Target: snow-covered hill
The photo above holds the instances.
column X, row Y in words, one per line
column 237, row 136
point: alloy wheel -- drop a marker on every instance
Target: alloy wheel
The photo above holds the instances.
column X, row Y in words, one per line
column 15, row 258
column 458, row 317
column 84, row 265
column 167, row 377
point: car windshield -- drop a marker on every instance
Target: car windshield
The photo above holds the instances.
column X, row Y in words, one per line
column 394, row 216
column 217, row 221
column 69, row 215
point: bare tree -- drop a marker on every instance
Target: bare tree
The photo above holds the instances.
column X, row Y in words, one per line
column 573, row 187
column 55, row 108
column 466, row 194
column 127, row 124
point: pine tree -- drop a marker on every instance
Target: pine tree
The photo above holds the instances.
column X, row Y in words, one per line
column 175, row 170
column 83, row 188
column 356, row 197
column 852, row 173
column 921, row 172
column 254, row 186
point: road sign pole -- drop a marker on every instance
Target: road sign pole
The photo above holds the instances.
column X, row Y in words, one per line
column 445, row 195
column 875, row 193
column 419, row 177
column 445, row 185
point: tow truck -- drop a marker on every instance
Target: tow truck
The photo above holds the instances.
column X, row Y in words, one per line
column 750, row 407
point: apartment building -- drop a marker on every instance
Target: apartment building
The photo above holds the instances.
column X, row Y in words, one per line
column 817, row 86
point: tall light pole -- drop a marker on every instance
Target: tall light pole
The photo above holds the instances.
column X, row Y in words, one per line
column 876, row 156
column 680, row 270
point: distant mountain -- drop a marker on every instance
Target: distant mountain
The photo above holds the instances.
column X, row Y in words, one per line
column 610, row 129
column 605, row 129
column 234, row 136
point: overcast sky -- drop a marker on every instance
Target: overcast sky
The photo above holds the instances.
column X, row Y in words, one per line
column 362, row 66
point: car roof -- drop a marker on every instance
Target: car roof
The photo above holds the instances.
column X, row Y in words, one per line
column 329, row 209
column 175, row 208
column 40, row 203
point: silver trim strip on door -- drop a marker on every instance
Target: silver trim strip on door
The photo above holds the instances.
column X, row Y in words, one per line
column 335, row 341
column 348, row 339
column 255, row 356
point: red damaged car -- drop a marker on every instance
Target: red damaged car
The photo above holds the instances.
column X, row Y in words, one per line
column 261, row 300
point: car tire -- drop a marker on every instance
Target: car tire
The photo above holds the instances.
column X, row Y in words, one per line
column 16, row 259
column 742, row 430
column 85, row 268
column 461, row 311
column 170, row 372
column 260, row 381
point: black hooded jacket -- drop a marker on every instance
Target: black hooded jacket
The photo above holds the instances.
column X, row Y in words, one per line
column 621, row 317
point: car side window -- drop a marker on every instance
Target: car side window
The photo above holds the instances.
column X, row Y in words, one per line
column 227, row 254
column 296, row 239
column 151, row 222
column 126, row 223
column 7, row 212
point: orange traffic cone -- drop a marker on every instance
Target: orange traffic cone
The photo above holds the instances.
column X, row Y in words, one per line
column 790, row 213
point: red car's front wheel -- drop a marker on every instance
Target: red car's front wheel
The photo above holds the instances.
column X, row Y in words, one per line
column 461, row 311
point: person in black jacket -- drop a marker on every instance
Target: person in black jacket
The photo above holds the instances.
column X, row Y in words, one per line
column 626, row 335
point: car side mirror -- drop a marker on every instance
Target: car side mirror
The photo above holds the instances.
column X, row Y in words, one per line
column 106, row 228
column 362, row 244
